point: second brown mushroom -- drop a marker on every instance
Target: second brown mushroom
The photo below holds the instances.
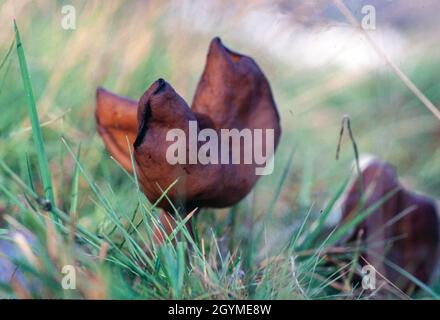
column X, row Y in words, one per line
column 233, row 93
column 402, row 230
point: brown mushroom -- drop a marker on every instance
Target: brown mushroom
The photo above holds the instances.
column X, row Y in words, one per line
column 116, row 119
column 404, row 229
column 232, row 94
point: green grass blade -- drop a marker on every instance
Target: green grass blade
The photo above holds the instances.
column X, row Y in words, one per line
column 17, row 179
column 33, row 115
column 74, row 192
column 8, row 53
column 318, row 226
column 361, row 216
column 29, row 172
column 280, row 184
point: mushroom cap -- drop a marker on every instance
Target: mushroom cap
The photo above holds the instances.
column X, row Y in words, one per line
column 116, row 120
column 232, row 93
column 403, row 229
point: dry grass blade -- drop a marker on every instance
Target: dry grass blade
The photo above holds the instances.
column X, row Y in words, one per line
column 402, row 76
